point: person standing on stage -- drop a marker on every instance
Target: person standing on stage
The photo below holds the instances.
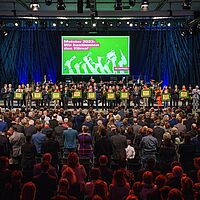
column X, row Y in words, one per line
column 65, row 97
column 110, row 102
column 175, row 96
column 56, row 102
column 37, row 101
column 158, row 95
column 136, row 96
column 4, row 93
column 28, row 96
column 19, row 89
column 183, row 99
column 46, row 94
column 166, row 91
column 104, row 100
column 145, row 99
column 195, row 97
column 124, row 101
column 90, row 102
column 10, row 96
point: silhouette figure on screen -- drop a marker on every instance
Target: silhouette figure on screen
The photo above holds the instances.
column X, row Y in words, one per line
column 122, row 62
column 68, row 64
column 77, row 66
column 99, row 66
column 87, row 60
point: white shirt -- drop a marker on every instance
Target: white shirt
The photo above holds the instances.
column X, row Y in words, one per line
column 130, row 152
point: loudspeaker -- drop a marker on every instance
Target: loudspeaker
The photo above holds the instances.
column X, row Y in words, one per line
column 80, row 6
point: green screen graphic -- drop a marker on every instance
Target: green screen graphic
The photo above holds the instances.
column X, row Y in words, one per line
column 97, row 55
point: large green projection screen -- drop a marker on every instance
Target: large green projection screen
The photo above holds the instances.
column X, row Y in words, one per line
column 95, row 55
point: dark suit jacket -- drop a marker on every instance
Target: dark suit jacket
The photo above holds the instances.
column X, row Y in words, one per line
column 53, row 123
column 158, row 134
column 59, row 134
column 78, row 121
column 46, row 186
column 51, row 146
column 119, row 144
column 19, row 128
column 30, row 130
column 103, row 147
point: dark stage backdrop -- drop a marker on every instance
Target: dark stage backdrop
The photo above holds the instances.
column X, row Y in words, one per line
column 26, row 55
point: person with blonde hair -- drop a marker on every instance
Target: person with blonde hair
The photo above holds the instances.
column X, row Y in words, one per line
column 89, row 123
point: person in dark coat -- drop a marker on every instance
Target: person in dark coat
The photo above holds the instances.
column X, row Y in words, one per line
column 158, row 132
column 52, row 146
column 59, row 133
column 187, row 152
column 45, row 183
column 31, row 129
column 18, row 126
column 103, row 146
column 53, row 122
column 4, row 145
column 29, row 153
column 78, row 120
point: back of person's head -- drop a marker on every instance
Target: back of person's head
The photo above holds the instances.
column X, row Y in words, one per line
column 73, row 160
column 4, row 163
column 101, row 189
column 177, row 171
column 147, row 177
column 175, row 194
column 44, row 166
column 186, row 184
column 70, row 125
column 131, row 197
column 197, row 162
column 47, row 157
column 85, row 129
column 69, row 174
column 150, row 131
column 103, row 160
column 164, row 191
column 16, row 176
column 59, row 197
column 137, row 188
column 28, row 138
column 174, row 164
column 160, row 181
column 28, row 191
column 150, row 163
column 119, row 178
column 49, row 134
column 96, row 197
column 63, row 186
column 103, row 132
column 95, row 173
column 187, row 139
column 31, row 122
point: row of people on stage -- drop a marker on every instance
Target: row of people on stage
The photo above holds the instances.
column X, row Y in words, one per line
column 135, row 93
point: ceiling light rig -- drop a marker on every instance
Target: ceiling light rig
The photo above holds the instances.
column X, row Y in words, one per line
column 34, row 5
column 61, row 5
column 145, row 5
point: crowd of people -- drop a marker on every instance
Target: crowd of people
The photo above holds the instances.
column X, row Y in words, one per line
column 155, row 95
column 137, row 153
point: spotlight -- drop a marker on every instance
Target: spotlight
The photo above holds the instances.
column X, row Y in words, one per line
column 5, row 33
column 128, row 22
column 118, row 5
column 111, row 24
column 60, row 5
column 168, row 24
column 145, row 5
column 118, row 23
column 86, row 22
column 34, row 5
column 183, row 33
column 66, row 24
column 187, row 4
column 94, row 24
column 16, row 24
column 131, row 24
column 61, row 22
column 103, row 22
column 54, row 24
column 48, row 2
column 36, row 22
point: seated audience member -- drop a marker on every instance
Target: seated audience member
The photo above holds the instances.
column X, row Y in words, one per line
column 175, row 180
column 131, row 197
column 5, row 175
column 148, row 185
column 106, row 172
column 160, row 182
column 63, row 189
column 175, row 194
column 187, row 188
column 89, row 187
column 45, row 183
column 101, row 189
column 119, row 189
column 73, row 162
column 28, row 191
column 52, row 170
column 75, row 188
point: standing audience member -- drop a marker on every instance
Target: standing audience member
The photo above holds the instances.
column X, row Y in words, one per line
column 28, row 191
